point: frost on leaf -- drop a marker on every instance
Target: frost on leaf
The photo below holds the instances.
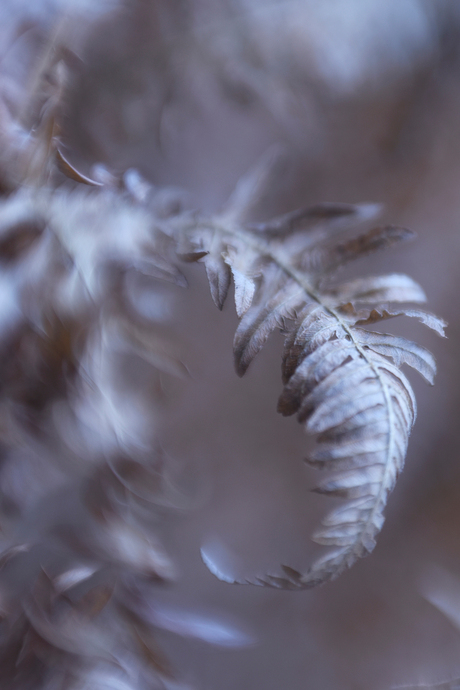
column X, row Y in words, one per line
column 342, row 380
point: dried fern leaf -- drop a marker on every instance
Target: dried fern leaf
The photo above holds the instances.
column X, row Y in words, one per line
column 256, row 326
column 395, row 287
column 219, row 277
column 244, row 273
column 386, row 312
column 343, row 381
column 209, row 248
column 313, row 217
column 366, row 243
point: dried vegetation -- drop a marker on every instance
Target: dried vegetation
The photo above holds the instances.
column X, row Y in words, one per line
column 74, row 250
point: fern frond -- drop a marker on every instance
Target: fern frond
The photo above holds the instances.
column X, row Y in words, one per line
column 343, row 381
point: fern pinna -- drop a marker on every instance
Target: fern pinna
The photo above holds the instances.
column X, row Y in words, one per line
column 343, row 381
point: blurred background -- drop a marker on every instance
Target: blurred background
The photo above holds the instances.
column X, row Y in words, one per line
column 364, row 98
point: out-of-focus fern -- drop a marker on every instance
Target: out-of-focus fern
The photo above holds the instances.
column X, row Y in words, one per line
column 83, row 481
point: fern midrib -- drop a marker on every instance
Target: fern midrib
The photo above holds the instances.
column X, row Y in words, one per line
column 277, row 257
